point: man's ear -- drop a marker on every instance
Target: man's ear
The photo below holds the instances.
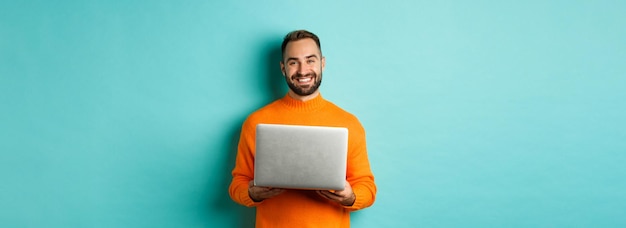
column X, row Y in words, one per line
column 282, row 68
column 323, row 62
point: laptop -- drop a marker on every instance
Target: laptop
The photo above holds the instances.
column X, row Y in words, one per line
column 301, row 157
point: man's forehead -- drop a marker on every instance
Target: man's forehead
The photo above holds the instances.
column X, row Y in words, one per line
column 302, row 48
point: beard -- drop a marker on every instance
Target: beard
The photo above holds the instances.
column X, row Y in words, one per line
column 304, row 91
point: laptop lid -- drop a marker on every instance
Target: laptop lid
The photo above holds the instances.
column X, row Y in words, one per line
column 301, row 157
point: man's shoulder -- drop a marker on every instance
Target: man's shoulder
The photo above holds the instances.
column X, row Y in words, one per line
column 340, row 111
column 344, row 117
column 264, row 112
column 272, row 107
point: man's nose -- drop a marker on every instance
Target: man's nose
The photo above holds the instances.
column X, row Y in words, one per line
column 301, row 68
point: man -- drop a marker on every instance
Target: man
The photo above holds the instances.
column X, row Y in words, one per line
column 302, row 66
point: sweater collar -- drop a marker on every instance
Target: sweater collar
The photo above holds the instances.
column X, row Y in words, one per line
column 309, row 105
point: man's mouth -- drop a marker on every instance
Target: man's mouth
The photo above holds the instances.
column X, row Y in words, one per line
column 304, row 84
column 304, row 80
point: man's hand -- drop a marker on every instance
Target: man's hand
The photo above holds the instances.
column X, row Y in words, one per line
column 344, row 197
column 258, row 194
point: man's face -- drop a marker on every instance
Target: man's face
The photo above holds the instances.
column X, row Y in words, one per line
column 302, row 66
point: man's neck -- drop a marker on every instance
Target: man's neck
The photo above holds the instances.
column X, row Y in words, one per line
column 303, row 98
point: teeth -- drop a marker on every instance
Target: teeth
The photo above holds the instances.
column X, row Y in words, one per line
column 304, row 79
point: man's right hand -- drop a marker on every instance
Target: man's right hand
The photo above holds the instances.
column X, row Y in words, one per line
column 258, row 194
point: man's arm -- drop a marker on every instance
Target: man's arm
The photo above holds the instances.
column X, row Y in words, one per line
column 359, row 173
column 243, row 173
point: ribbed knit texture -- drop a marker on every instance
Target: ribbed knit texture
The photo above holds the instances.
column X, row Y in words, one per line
column 303, row 208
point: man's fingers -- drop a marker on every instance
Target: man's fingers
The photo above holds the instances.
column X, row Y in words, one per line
column 276, row 191
column 323, row 194
column 329, row 195
column 271, row 191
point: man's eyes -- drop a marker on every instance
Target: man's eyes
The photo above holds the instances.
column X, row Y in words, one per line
column 308, row 61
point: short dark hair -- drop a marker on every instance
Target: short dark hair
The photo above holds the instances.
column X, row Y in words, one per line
column 299, row 35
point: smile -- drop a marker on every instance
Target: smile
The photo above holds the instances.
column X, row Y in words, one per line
column 304, row 80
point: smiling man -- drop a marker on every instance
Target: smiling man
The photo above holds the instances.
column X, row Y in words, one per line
column 302, row 66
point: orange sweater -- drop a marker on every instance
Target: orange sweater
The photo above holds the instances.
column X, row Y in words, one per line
column 302, row 208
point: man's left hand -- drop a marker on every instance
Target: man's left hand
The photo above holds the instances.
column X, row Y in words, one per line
column 344, row 197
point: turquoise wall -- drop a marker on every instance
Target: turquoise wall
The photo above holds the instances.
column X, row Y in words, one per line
column 478, row 113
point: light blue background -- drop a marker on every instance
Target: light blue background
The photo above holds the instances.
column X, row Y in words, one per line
column 478, row 113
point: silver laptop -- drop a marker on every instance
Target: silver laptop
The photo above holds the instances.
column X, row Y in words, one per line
column 300, row 157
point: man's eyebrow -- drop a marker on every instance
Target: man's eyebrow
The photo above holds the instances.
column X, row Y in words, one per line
column 307, row 57
column 311, row 56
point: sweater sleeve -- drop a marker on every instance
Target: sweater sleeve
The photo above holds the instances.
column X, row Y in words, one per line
column 359, row 173
column 243, row 172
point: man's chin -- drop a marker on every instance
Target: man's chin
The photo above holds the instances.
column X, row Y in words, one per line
column 304, row 93
column 304, row 90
